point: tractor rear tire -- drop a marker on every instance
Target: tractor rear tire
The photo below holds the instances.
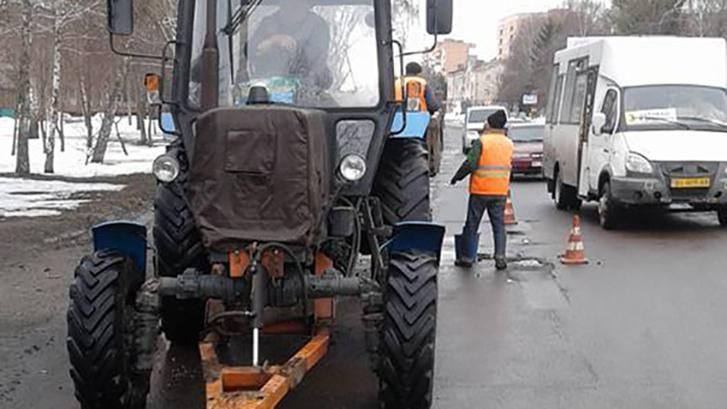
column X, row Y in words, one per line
column 178, row 247
column 402, row 182
column 406, row 360
column 100, row 333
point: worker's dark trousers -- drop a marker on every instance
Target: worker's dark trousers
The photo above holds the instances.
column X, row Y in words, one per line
column 495, row 206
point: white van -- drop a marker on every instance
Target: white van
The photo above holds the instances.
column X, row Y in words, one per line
column 474, row 122
column 638, row 121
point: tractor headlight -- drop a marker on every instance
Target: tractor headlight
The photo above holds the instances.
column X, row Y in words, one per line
column 638, row 164
column 165, row 168
column 352, row 168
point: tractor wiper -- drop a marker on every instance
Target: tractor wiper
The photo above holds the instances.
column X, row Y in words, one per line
column 234, row 21
column 240, row 16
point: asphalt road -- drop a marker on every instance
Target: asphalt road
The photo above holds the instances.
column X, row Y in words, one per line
column 642, row 326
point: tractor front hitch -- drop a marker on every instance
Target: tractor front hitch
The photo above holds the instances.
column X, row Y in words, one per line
column 194, row 285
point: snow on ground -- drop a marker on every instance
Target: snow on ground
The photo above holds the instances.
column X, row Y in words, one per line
column 72, row 162
column 33, row 198
column 28, row 197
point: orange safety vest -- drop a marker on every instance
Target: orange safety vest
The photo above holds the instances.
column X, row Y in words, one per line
column 415, row 92
column 492, row 176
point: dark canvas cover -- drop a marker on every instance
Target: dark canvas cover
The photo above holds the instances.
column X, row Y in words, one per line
column 258, row 173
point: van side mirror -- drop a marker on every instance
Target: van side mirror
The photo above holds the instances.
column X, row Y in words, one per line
column 120, row 16
column 598, row 122
column 439, row 16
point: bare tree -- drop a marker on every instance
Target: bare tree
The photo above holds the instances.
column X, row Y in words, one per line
column 22, row 164
column 112, row 106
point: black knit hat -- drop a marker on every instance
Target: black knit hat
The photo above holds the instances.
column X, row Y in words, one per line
column 498, row 120
column 413, row 68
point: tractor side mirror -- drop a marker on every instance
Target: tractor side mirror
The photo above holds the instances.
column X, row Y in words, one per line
column 120, row 15
column 599, row 120
column 439, row 16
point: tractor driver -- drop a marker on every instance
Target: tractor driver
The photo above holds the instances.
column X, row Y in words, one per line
column 293, row 41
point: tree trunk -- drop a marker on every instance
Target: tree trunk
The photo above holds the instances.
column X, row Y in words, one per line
column 121, row 140
column 112, row 106
column 140, row 114
column 53, row 114
column 86, row 110
column 16, row 122
column 22, row 164
column 150, row 130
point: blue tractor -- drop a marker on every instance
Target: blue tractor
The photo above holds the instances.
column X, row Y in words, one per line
column 293, row 179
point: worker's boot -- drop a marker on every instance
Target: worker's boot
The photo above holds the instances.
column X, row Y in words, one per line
column 500, row 263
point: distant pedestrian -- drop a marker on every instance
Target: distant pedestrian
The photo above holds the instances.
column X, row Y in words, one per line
column 488, row 164
column 420, row 97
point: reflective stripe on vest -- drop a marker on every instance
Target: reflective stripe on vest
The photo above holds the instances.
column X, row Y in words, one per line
column 415, row 93
column 492, row 176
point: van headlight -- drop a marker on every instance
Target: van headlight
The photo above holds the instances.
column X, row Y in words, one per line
column 165, row 168
column 352, row 168
column 638, row 164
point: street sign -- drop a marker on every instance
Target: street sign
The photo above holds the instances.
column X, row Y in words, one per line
column 530, row 99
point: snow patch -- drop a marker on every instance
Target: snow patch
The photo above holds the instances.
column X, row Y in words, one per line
column 34, row 198
column 73, row 162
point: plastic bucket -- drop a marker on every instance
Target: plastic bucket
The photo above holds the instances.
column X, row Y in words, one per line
column 466, row 251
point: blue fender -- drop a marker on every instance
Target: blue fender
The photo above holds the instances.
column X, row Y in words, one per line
column 422, row 236
column 416, row 124
column 128, row 238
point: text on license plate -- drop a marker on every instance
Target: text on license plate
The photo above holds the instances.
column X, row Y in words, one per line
column 690, row 183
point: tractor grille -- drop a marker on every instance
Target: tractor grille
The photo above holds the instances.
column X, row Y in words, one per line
column 354, row 137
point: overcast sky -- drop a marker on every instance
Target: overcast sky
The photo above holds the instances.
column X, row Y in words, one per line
column 475, row 21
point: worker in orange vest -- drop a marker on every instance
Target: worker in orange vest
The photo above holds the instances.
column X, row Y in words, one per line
column 419, row 96
column 488, row 164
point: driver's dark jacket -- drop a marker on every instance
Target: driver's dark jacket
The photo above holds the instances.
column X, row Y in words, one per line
column 312, row 35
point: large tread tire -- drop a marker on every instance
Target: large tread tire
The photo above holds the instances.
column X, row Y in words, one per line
column 402, row 182
column 406, row 367
column 178, row 247
column 100, row 333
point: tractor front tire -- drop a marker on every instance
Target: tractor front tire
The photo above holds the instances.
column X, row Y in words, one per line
column 402, row 182
column 406, row 360
column 100, row 333
column 178, row 247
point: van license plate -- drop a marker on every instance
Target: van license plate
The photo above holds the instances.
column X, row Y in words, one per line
column 690, row 183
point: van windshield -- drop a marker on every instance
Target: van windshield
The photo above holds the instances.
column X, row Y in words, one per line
column 480, row 115
column 688, row 107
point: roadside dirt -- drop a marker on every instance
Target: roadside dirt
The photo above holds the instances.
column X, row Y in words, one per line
column 23, row 235
column 37, row 258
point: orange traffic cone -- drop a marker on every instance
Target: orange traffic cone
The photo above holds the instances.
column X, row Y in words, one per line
column 575, row 253
column 509, row 212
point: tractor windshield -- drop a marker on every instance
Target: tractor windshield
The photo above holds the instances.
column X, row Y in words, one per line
column 309, row 53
